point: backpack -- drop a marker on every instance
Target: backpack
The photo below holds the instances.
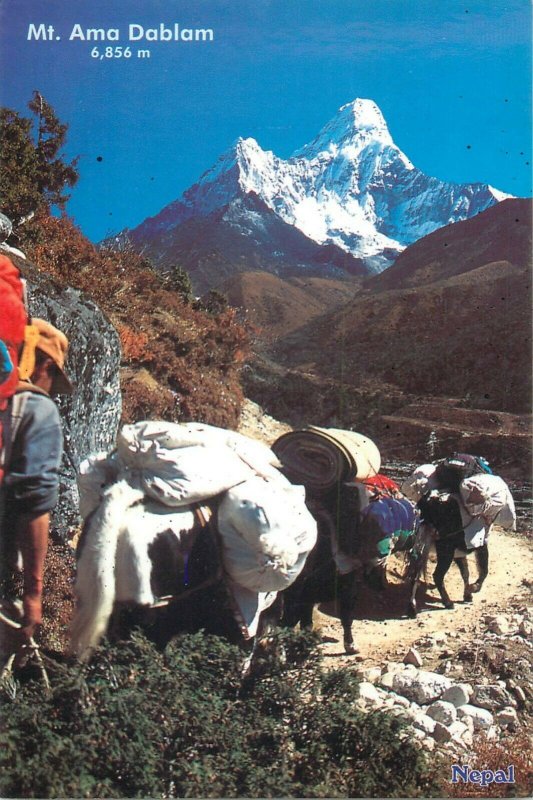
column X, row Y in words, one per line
column 452, row 471
column 13, row 319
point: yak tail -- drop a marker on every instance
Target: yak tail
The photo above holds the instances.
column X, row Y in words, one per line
column 95, row 574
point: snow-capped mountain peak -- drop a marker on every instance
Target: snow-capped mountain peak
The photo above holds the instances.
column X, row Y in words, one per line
column 355, row 125
column 351, row 186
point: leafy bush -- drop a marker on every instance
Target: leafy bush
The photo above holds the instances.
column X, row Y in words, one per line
column 139, row 723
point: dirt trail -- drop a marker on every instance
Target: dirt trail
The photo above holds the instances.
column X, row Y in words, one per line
column 382, row 630
column 384, row 633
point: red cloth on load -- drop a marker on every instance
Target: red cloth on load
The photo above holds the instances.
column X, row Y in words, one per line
column 382, row 483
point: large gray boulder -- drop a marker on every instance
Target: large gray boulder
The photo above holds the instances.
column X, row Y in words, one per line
column 91, row 414
column 420, row 686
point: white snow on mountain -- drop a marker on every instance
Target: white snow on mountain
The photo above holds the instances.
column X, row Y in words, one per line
column 351, row 186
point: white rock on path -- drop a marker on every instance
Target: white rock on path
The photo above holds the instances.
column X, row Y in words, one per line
column 468, row 738
column 370, row 693
column 423, row 687
column 413, row 657
column 399, row 700
column 497, row 624
column 458, row 729
column 481, row 718
column 424, row 723
column 386, row 680
column 370, row 674
column 392, row 667
column 458, row 694
column 491, row 696
column 441, row 733
column 506, row 717
column 441, row 711
column 468, row 721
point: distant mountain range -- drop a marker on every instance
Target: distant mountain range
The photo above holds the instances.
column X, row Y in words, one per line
column 347, row 203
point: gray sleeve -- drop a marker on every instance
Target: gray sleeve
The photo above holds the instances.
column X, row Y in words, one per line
column 32, row 476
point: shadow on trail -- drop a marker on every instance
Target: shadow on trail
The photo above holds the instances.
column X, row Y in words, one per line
column 391, row 603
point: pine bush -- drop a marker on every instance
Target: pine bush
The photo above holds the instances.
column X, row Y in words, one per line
column 140, row 723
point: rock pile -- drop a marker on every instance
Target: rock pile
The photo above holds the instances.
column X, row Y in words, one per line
column 450, row 711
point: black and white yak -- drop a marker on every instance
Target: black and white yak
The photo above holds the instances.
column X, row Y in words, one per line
column 141, row 564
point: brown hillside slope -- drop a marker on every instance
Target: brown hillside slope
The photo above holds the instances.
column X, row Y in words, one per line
column 502, row 233
column 453, row 333
column 465, row 334
column 277, row 306
column 467, row 338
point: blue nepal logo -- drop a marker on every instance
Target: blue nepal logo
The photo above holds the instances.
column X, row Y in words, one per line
column 482, row 777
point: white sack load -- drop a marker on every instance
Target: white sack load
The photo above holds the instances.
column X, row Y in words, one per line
column 257, row 455
column 248, row 607
column 475, row 529
column 175, row 463
column 159, row 437
column 420, row 481
column 187, row 475
column 267, row 532
column 489, row 497
column 178, row 464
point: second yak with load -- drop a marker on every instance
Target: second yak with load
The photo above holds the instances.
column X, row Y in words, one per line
column 459, row 500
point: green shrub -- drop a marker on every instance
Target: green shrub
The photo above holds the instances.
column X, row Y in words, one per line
column 139, row 723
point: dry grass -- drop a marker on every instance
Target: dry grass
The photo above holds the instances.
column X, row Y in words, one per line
column 517, row 749
column 194, row 356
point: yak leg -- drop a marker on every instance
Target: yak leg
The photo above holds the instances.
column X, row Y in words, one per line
column 264, row 645
column 412, row 609
column 482, row 558
column 298, row 608
column 462, row 563
column 319, row 587
column 418, row 571
column 305, row 614
column 445, row 550
column 421, row 565
column 418, row 565
column 347, row 588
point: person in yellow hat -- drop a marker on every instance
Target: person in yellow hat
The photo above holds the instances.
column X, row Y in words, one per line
column 32, row 456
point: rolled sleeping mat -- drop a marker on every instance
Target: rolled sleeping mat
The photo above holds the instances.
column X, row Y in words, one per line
column 319, row 458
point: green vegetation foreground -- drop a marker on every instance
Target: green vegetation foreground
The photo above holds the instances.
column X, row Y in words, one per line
column 138, row 723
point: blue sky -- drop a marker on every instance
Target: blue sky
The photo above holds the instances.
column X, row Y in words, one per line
column 451, row 78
